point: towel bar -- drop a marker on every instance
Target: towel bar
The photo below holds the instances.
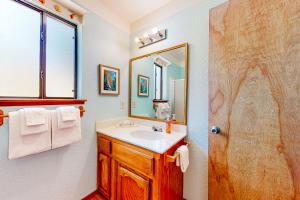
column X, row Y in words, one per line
column 2, row 115
column 173, row 158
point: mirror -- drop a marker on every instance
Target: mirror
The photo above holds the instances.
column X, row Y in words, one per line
column 158, row 85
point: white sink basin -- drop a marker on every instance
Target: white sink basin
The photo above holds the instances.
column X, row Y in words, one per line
column 147, row 135
column 143, row 136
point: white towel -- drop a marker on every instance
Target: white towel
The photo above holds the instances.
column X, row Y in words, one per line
column 65, row 136
column 183, row 158
column 35, row 116
column 19, row 145
column 67, row 116
column 67, row 113
column 30, row 130
column 163, row 111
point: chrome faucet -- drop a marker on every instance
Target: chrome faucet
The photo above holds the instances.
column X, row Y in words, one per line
column 157, row 128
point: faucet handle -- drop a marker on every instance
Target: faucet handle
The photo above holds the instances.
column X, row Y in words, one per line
column 157, row 128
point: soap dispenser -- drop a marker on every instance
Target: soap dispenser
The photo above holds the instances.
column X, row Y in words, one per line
column 169, row 123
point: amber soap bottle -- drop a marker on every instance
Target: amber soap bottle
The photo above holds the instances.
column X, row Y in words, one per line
column 168, row 126
column 169, row 123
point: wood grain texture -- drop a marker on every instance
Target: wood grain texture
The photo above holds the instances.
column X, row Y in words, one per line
column 104, row 146
column 38, row 102
column 171, row 177
column 131, row 186
column 94, row 196
column 165, row 179
column 137, row 159
column 254, row 97
column 1, row 118
column 104, row 174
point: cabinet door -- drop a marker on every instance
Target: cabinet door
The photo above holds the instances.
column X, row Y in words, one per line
column 104, row 175
column 131, row 186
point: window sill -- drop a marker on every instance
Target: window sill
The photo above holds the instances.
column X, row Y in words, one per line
column 38, row 102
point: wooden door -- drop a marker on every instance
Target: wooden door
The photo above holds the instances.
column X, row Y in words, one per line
column 254, row 97
column 104, row 175
column 131, row 186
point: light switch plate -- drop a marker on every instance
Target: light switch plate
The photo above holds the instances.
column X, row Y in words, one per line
column 122, row 104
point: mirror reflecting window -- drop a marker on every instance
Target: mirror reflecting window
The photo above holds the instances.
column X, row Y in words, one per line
column 158, row 85
column 158, row 81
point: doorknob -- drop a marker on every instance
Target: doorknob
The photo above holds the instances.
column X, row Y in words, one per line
column 215, row 130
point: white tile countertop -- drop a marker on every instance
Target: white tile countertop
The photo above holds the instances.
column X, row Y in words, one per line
column 139, row 132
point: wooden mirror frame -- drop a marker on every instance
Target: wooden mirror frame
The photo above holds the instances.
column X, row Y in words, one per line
column 186, row 47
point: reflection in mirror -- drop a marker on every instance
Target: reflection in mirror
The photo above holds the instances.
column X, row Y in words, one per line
column 158, row 85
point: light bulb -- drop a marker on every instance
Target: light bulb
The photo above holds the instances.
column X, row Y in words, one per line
column 155, row 30
column 146, row 35
column 137, row 40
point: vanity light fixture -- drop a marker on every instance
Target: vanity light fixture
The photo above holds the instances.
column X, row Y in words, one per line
column 156, row 31
column 150, row 38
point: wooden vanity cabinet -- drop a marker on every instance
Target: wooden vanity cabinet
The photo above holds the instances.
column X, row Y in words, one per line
column 104, row 167
column 131, row 186
column 128, row 172
column 104, row 174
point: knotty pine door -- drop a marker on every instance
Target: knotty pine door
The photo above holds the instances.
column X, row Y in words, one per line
column 254, row 98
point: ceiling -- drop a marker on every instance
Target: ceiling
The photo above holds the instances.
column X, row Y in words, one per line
column 132, row 10
column 176, row 56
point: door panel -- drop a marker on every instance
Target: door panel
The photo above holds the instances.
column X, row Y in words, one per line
column 131, row 186
column 104, row 174
column 254, row 97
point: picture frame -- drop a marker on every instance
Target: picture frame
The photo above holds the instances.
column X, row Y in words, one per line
column 143, row 86
column 109, row 80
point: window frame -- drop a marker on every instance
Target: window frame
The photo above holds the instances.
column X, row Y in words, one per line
column 161, row 81
column 44, row 14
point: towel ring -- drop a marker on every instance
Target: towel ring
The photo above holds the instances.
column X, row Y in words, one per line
column 170, row 159
column 3, row 116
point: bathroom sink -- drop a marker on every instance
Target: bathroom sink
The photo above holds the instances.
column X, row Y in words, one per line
column 147, row 135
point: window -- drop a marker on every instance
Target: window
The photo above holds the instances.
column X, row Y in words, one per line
column 60, row 58
column 158, row 81
column 37, row 53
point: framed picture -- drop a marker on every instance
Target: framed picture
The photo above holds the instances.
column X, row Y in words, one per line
column 143, row 86
column 109, row 80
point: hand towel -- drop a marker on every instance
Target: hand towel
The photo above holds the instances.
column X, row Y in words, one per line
column 67, row 113
column 65, row 136
column 31, row 130
column 183, row 159
column 20, row 145
column 67, row 116
column 163, row 111
column 35, row 116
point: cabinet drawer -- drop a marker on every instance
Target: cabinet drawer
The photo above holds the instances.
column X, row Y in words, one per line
column 134, row 158
column 104, row 146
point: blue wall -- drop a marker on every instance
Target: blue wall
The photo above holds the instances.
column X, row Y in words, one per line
column 143, row 105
